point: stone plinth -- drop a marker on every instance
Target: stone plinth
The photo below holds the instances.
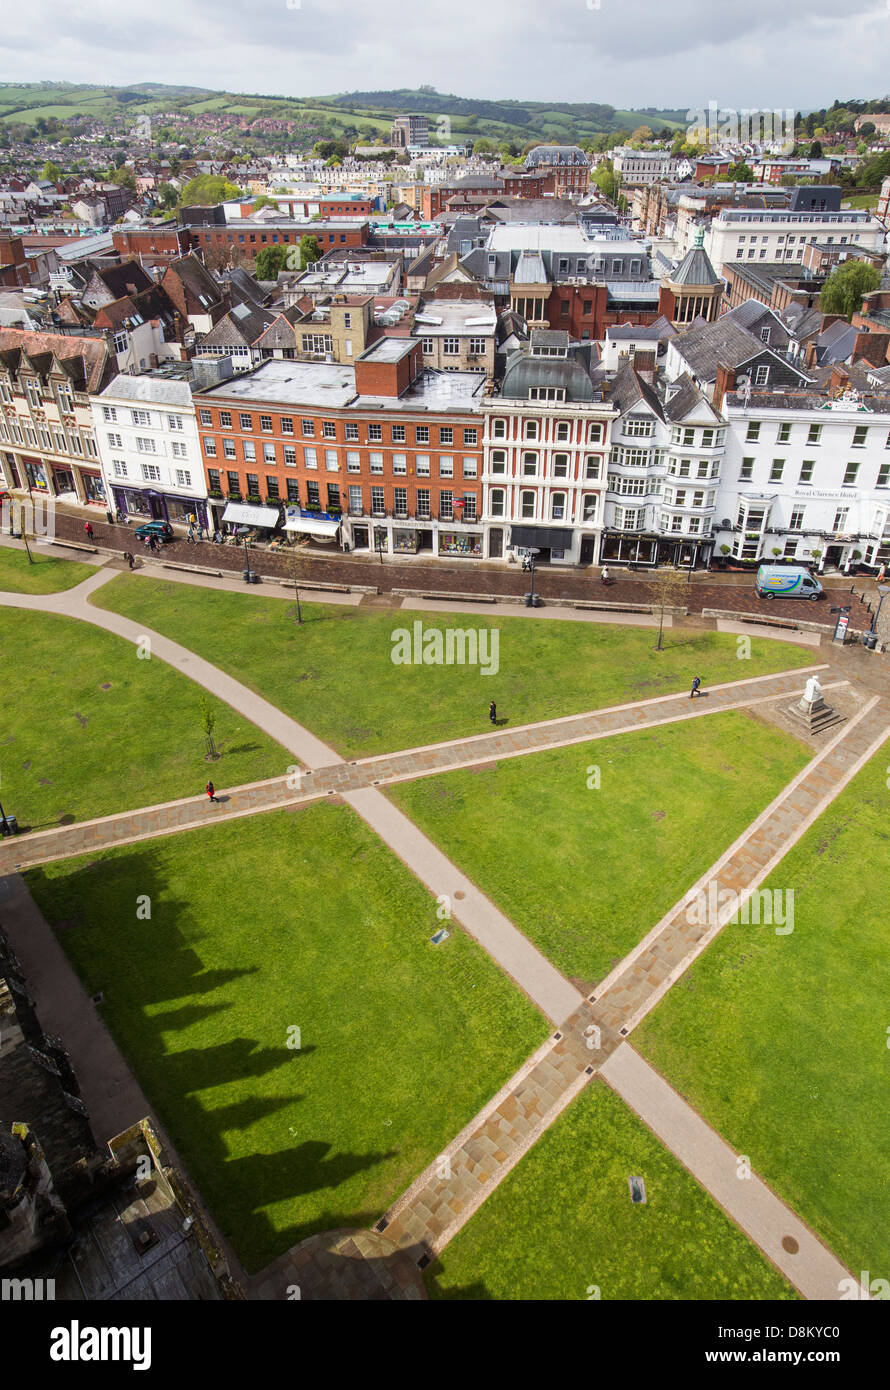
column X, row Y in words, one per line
column 812, row 711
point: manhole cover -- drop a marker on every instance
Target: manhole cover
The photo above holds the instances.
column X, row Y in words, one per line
column 790, row 1244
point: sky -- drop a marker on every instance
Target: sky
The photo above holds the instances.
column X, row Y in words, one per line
column 626, row 53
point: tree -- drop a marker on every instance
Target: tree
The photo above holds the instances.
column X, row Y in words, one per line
column 167, row 195
column 269, row 261
column 641, row 135
column 843, row 290
column 207, row 189
column 264, row 201
column 740, row 172
column 310, row 251
column 125, row 178
column 667, row 589
column 208, row 724
column 51, row 171
column 606, row 180
column 295, row 568
column 816, row 150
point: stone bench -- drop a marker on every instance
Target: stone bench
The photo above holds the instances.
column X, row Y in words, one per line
column 453, row 597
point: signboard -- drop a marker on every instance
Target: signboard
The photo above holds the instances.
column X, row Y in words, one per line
column 840, row 631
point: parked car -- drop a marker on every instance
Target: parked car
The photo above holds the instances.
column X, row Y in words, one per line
column 161, row 529
column 787, row 581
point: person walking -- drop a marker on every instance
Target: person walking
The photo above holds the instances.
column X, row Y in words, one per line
column 605, row 575
column 191, row 537
column 696, row 687
column 210, row 789
column 88, row 527
column 493, row 712
column 881, row 573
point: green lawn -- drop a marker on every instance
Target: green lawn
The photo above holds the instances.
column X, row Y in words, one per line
column 335, row 674
column 586, row 872
column 562, row 1225
column 782, row 1041
column 46, row 575
column 279, row 921
column 88, row 728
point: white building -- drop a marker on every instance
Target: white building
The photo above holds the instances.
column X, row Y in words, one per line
column 147, row 437
column 806, row 474
column 761, row 234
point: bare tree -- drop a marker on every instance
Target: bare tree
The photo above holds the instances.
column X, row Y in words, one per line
column 295, row 567
column 667, row 589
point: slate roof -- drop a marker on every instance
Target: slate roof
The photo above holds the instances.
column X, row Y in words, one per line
column 723, row 343
column 564, row 156
column 629, row 389
column 686, row 398
column 695, row 269
column 83, row 360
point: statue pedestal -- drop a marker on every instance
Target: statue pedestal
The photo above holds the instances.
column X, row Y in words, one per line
column 814, row 714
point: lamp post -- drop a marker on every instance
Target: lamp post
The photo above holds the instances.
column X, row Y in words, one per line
column 380, row 541
column 883, row 590
column 248, row 577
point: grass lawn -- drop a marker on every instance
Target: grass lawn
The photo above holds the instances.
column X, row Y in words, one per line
column 335, row 674
column 586, row 872
column 782, row 1041
column 562, row 1223
column 301, row 920
column 47, row 575
column 89, row 729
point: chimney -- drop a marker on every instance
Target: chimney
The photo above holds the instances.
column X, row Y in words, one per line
column 809, row 359
column 839, row 379
column 725, row 381
column 644, row 365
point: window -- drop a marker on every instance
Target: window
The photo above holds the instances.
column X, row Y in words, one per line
column 265, row 424
column 399, row 434
column 592, row 466
column 151, row 473
column 850, row 473
column 477, row 347
column 178, row 448
column 753, row 430
column 293, row 491
column 290, row 456
column 527, row 504
column 376, row 462
column 350, row 430
column 287, row 424
column 883, row 475
column 353, row 461
column 499, row 430
column 145, row 446
column 229, row 448
column 141, row 417
column 269, row 453
column 328, row 429
column 814, row 434
column 451, row 347
column 840, row 519
column 594, row 434
column 859, row 436
column 558, row 506
column 115, row 441
column 562, row 431
column 312, row 496
column 446, row 466
column 422, row 434
column 589, row 506
column 249, row 451
column 470, row 468
column 637, row 427
column 423, row 502
column 775, row 472
column 247, row 421
column 529, row 465
column 806, row 470
column 422, row 465
column 764, row 332
column 446, row 435
column 531, row 429
column 271, row 485
column 375, row 432
column 761, row 375
column 309, row 457
column 427, row 346
column 209, row 447
column 496, row 502
column 469, row 506
column 446, row 503
column 400, row 501
column 225, row 419
column 796, row 522
column 498, row 461
column 784, row 434
column 120, row 468
column 356, row 506
column 308, row 428
column 234, row 482
column 183, row 478
column 109, row 413
column 560, row 465
column 471, row 436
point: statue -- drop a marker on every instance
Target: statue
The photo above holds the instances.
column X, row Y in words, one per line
column 812, row 690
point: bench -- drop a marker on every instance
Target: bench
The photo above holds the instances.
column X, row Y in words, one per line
column 76, row 545
column 194, row 569
column 314, row 584
column 605, row 606
column 450, row 597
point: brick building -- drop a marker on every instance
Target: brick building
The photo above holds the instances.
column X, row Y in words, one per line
column 250, row 237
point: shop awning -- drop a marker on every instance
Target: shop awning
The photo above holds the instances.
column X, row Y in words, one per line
column 542, row 537
column 313, row 525
column 242, row 515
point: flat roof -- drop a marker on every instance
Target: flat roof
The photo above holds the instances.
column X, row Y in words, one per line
column 331, row 385
column 389, row 350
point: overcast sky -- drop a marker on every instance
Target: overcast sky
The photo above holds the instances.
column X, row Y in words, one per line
column 628, row 53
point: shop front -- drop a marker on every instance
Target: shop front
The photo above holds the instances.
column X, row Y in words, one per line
column 262, row 520
column 148, row 505
column 466, row 543
column 93, row 487
column 317, row 526
column 413, row 538
column 551, row 542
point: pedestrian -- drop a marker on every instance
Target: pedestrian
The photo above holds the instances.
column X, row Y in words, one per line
column 881, row 572
column 605, row 575
column 88, row 527
column 493, row 712
column 109, row 518
column 211, row 792
column 129, row 558
column 191, row 538
column 200, row 531
column 696, row 687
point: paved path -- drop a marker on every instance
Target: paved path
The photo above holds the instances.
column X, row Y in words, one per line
column 785, row 1240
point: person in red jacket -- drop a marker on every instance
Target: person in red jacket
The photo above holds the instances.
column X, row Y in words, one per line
column 211, row 792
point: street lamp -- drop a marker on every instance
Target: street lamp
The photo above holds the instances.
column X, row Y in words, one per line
column 883, row 590
column 380, row 541
column 248, row 576
column 531, row 596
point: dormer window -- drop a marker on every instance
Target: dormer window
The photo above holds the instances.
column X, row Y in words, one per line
column 33, row 390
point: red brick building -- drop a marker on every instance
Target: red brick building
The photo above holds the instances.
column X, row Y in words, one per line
column 251, row 237
column 152, row 245
column 14, row 273
column 377, row 455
